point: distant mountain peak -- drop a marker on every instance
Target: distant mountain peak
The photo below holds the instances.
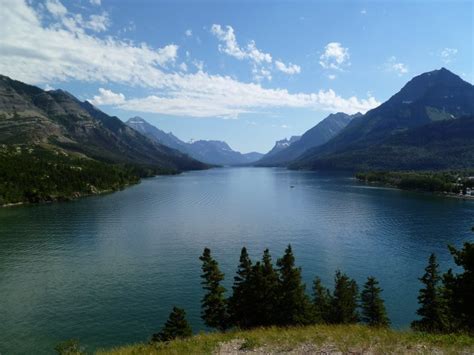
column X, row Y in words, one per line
column 209, row 151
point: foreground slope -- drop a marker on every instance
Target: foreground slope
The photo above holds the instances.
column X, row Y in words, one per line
column 355, row 339
column 29, row 115
column 437, row 96
column 316, row 136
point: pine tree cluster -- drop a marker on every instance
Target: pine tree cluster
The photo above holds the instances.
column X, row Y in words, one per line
column 264, row 294
column 447, row 301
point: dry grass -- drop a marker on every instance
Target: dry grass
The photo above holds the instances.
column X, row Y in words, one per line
column 320, row 339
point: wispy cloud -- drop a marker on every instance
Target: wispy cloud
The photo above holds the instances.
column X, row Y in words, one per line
column 76, row 22
column 230, row 46
column 335, row 56
column 288, row 69
column 108, row 97
column 77, row 53
column 56, row 8
column 393, row 65
column 261, row 61
column 448, row 54
column 209, row 96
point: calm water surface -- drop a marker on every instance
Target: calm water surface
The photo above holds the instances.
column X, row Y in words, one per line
column 107, row 270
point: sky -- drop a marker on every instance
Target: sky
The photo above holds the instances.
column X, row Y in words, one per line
column 246, row 72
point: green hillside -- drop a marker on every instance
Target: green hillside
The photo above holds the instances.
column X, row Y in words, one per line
column 31, row 174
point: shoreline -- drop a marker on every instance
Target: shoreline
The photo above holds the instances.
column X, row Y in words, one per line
column 432, row 193
column 59, row 199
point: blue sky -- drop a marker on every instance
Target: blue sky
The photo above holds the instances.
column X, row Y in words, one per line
column 247, row 72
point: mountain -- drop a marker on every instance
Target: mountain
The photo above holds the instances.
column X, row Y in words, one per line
column 218, row 152
column 208, row 151
column 436, row 96
column 56, row 119
column 167, row 139
column 280, row 146
column 283, row 152
column 252, row 157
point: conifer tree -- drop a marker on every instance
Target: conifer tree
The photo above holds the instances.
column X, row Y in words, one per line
column 240, row 301
column 373, row 308
column 295, row 306
column 344, row 300
column 268, row 291
column 175, row 327
column 214, row 305
column 431, row 302
column 321, row 302
column 459, row 289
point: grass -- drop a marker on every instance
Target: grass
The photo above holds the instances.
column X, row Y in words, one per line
column 326, row 338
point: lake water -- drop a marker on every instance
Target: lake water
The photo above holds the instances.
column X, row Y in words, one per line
column 107, row 269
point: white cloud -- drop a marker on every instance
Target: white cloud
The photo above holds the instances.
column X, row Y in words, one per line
column 287, row 69
column 260, row 73
column 335, row 56
column 98, row 23
column 261, row 61
column 70, row 53
column 108, row 97
column 331, row 76
column 48, row 87
column 95, row 2
column 204, row 95
column 447, row 54
column 56, row 8
column 363, row 12
column 75, row 22
column 188, row 33
column 231, row 47
column 199, row 64
column 392, row 65
column 183, row 66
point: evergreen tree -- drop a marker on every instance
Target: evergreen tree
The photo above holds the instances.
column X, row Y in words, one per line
column 430, row 298
column 373, row 308
column 240, row 301
column 175, row 327
column 295, row 306
column 263, row 289
column 344, row 300
column 459, row 289
column 214, row 307
column 321, row 302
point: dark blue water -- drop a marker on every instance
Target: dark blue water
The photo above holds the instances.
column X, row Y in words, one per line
column 108, row 269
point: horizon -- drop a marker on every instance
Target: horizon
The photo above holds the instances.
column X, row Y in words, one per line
column 225, row 76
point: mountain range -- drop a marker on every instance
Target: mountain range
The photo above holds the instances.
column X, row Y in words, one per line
column 208, row 151
column 286, row 151
column 428, row 124
column 57, row 120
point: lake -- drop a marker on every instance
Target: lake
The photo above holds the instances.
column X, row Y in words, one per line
column 108, row 269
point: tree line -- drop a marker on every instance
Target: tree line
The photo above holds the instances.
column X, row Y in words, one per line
column 267, row 295
column 32, row 174
column 440, row 181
